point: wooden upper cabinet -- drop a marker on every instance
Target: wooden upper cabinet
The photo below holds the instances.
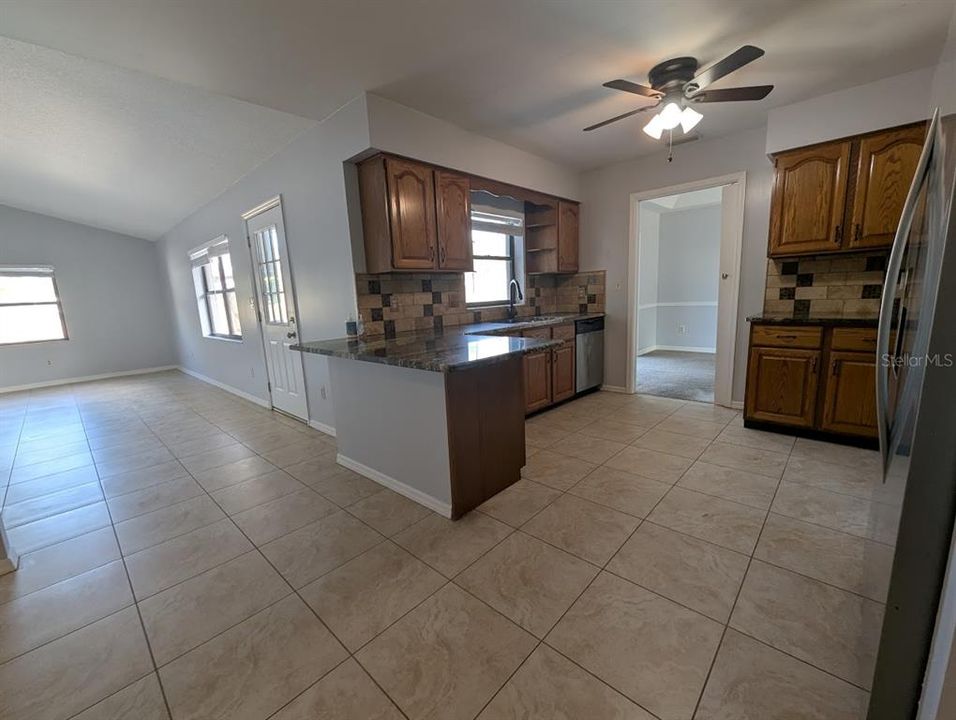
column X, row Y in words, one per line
column 453, row 205
column 809, row 193
column 885, row 170
column 849, row 404
column 411, row 213
column 782, row 386
column 568, row 232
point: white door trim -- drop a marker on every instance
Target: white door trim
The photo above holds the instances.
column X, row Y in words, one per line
column 731, row 242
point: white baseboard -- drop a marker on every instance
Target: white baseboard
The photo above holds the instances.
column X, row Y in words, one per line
column 615, row 389
column 737, row 404
column 442, row 508
column 85, row 378
column 228, row 388
column 677, row 348
column 322, row 427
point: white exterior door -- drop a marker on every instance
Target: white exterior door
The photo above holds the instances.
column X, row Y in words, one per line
column 275, row 296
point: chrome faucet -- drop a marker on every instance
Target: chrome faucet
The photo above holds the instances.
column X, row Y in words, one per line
column 513, row 288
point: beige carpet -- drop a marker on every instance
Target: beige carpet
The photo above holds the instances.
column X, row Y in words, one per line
column 683, row 375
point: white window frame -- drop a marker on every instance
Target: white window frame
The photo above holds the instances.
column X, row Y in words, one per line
column 199, row 258
column 36, row 271
column 510, row 224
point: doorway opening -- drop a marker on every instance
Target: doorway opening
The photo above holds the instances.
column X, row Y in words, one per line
column 276, row 308
column 685, row 256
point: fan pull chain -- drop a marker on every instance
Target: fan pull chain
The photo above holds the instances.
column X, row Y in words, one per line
column 670, row 145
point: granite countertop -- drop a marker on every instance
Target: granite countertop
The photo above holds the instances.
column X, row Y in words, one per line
column 829, row 322
column 448, row 350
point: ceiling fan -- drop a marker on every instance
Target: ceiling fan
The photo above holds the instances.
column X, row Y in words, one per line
column 676, row 84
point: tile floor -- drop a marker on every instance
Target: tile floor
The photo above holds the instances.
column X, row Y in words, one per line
column 186, row 554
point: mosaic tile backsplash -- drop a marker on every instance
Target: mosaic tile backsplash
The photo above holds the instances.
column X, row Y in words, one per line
column 847, row 286
column 399, row 302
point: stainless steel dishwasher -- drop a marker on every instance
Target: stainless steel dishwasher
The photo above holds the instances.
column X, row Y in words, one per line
column 589, row 353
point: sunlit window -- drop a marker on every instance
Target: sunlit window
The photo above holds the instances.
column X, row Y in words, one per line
column 496, row 246
column 216, row 290
column 30, row 309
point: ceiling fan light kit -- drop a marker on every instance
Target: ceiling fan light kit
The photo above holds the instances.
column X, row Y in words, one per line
column 676, row 83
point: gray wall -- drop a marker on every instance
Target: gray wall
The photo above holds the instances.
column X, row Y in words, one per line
column 113, row 297
column 605, row 216
column 308, row 174
column 687, row 273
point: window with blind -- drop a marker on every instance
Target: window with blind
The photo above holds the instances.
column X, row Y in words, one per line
column 496, row 238
column 216, row 290
column 30, row 309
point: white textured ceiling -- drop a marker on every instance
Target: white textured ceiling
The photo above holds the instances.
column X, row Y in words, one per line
column 117, row 149
column 528, row 72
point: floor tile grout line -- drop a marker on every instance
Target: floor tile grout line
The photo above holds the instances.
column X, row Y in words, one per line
column 295, row 591
column 733, row 607
column 132, row 591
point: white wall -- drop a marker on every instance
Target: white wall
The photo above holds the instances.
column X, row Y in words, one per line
column 113, row 297
column 400, row 129
column 308, row 175
column 687, row 277
column 605, row 214
column 322, row 225
column 896, row 100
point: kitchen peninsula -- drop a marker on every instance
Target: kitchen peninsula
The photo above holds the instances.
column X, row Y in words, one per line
column 437, row 415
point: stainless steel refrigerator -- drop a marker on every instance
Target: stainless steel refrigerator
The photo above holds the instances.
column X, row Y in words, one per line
column 916, row 401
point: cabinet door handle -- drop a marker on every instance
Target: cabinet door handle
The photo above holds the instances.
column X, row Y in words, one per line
column 839, row 233
column 857, row 232
column 834, row 366
column 813, row 365
column 431, row 253
column 441, row 254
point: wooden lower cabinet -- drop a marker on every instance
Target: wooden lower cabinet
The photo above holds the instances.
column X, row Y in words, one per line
column 782, row 385
column 827, row 385
column 537, row 380
column 850, row 403
column 562, row 372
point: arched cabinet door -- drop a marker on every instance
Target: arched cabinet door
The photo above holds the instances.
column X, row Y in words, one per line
column 884, row 173
column 411, row 197
column 809, row 195
column 453, row 193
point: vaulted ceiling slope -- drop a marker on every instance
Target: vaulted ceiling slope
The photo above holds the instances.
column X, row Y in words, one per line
column 528, row 73
column 118, row 149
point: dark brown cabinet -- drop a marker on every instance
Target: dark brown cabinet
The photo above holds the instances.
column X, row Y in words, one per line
column 809, row 191
column 568, row 236
column 885, row 169
column 453, row 207
column 842, row 196
column 414, row 217
column 562, row 372
column 537, row 380
column 813, row 378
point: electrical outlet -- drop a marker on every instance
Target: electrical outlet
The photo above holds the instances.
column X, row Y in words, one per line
column 681, row 329
column 323, row 393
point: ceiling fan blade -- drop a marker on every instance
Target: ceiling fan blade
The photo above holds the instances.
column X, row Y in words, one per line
column 736, row 60
column 628, row 86
column 754, row 92
column 619, row 117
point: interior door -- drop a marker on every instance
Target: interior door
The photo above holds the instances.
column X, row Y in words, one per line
column 275, row 296
column 809, row 194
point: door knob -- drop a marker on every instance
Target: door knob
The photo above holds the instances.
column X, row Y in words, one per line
column 724, row 276
column 290, row 334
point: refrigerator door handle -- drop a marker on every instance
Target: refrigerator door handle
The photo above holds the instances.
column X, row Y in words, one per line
column 890, row 285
